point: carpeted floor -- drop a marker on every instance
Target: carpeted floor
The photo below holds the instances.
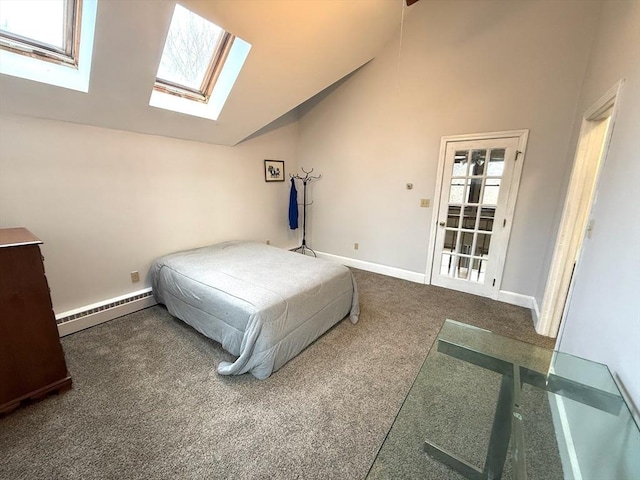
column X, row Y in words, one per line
column 147, row 402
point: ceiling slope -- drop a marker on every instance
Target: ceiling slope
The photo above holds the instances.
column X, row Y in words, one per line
column 299, row 48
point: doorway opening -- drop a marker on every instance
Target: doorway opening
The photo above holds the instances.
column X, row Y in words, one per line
column 576, row 225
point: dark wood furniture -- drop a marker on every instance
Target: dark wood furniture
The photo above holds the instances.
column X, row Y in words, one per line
column 31, row 358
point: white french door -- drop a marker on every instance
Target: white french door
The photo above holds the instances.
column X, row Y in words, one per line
column 478, row 190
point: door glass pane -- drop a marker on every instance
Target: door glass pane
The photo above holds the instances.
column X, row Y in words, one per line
column 453, row 216
column 496, row 163
column 478, row 158
column 460, row 163
column 491, row 191
column 462, row 269
column 450, row 238
column 466, row 243
column 474, row 187
column 478, row 270
column 445, row 264
column 469, row 217
column 482, row 244
column 457, row 190
column 486, row 218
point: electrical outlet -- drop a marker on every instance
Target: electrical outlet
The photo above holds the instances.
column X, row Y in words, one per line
column 356, row 246
column 424, row 202
column 135, row 277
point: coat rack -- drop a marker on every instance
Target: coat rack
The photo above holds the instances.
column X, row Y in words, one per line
column 308, row 178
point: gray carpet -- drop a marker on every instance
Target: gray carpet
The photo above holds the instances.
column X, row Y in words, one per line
column 147, row 402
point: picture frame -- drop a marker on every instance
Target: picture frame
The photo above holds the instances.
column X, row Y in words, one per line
column 274, row 171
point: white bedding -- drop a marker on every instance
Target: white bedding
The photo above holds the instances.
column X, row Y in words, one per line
column 262, row 303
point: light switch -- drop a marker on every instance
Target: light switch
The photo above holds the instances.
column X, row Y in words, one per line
column 425, row 202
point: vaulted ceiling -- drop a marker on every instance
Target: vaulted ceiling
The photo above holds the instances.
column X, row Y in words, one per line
column 299, row 47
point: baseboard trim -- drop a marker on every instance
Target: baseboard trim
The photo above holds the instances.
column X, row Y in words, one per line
column 505, row 296
column 518, row 299
column 84, row 317
column 375, row 267
column 535, row 313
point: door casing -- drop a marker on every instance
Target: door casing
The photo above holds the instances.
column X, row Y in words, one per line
column 589, row 159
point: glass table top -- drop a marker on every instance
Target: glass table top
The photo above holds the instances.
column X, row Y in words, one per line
column 487, row 406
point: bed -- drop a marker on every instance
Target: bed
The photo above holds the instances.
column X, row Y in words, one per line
column 263, row 304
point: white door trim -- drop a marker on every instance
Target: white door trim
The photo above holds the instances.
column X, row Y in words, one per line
column 570, row 234
column 523, row 136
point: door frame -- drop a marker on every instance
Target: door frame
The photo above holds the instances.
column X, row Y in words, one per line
column 571, row 231
column 522, row 136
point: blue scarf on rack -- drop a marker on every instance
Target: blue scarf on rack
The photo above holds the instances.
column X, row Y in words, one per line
column 293, row 206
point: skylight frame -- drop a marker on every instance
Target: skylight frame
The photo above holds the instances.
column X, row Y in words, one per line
column 50, row 53
column 202, row 95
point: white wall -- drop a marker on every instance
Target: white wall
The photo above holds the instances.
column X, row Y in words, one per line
column 466, row 67
column 107, row 202
column 603, row 317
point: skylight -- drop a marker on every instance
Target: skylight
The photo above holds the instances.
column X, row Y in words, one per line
column 191, row 52
column 46, row 29
column 40, row 40
column 199, row 65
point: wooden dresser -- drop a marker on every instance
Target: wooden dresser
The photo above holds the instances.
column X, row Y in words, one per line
column 31, row 358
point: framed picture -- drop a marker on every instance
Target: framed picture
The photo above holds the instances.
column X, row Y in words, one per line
column 274, row 171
